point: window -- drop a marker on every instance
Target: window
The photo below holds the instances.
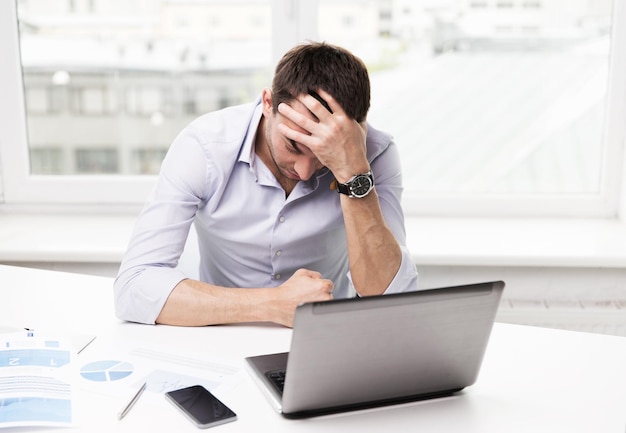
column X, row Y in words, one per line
column 498, row 108
column 109, row 84
column 131, row 79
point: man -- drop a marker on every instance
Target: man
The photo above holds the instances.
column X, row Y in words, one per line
column 282, row 196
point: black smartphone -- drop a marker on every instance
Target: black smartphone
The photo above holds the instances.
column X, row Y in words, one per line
column 200, row 406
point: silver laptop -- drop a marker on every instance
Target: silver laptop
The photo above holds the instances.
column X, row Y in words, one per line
column 364, row 352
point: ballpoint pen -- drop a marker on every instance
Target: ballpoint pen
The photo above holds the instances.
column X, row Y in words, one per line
column 132, row 402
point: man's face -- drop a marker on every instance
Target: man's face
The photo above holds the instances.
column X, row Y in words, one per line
column 294, row 161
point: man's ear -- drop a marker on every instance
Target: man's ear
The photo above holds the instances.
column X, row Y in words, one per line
column 266, row 100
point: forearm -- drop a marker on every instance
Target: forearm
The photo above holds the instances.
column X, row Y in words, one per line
column 195, row 303
column 373, row 251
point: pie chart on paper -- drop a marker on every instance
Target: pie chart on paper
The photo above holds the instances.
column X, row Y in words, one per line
column 106, row 371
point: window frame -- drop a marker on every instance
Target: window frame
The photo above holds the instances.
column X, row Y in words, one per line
column 292, row 22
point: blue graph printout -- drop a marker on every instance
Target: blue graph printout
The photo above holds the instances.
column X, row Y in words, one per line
column 106, row 371
column 33, row 389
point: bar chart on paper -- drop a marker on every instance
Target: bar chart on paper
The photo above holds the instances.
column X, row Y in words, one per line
column 106, row 370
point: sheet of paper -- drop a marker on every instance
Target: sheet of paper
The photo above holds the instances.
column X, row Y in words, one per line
column 81, row 379
column 35, row 380
column 108, row 369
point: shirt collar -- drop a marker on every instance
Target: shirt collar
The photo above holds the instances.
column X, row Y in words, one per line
column 247, row 153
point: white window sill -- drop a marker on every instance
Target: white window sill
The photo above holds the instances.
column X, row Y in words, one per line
column 433, row 241
column 63, row 238
column 517, row 242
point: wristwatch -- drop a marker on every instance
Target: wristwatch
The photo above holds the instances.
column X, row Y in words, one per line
column 358, row 186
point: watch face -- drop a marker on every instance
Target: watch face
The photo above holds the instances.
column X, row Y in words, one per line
column 361, row 186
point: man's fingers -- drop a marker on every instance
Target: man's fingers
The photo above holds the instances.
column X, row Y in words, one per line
column 308, row 272
column 332, row 103
column 296, row 117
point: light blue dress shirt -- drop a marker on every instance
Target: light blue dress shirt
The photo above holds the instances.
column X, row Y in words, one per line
column 249, row 233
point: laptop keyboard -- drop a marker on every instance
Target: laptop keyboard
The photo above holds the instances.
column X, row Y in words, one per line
column 277, row 377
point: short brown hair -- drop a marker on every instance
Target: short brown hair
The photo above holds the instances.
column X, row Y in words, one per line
column 318, row 65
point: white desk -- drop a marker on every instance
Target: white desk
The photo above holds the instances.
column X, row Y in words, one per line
column 532, row 380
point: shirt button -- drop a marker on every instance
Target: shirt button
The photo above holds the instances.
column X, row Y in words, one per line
column 277, row 276
column 281, row 219
column 278, row 253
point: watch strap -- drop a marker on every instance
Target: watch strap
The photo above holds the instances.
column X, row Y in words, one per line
column 343, row 188
column 346, row 188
